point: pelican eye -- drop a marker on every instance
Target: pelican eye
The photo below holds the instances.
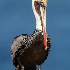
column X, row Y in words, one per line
column 42, row 4
column 38, row 5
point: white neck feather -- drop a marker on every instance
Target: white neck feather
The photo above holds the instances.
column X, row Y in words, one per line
column 38, row 20
column 38, row 23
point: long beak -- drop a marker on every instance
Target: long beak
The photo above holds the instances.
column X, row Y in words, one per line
column 40, row 7
column 43, row 22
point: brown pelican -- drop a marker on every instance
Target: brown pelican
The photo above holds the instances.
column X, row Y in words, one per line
column 27, row 51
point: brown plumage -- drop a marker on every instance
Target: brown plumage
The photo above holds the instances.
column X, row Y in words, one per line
column 29, row 50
